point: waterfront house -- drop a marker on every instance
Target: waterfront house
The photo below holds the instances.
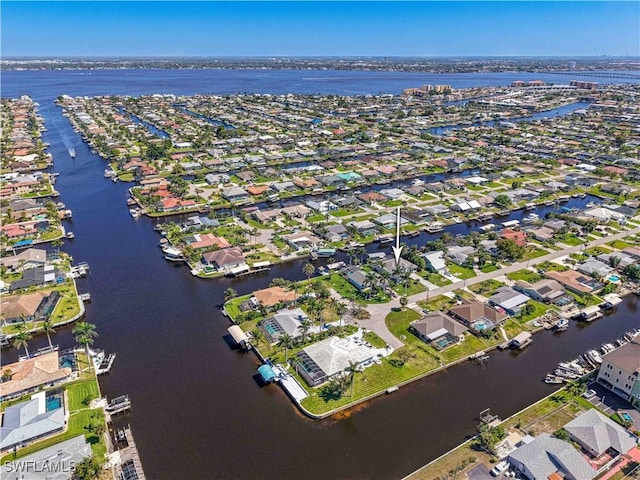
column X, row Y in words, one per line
column 604, row 215
column 477, row 316
column 30, row 420
column 225, row 260
column 235, row 195
column 37, row 277
column 321, row 206
column 388, row 221
column 302, row 240
column 336, row 233
column 438, row 329
column 547, row 457
column 269, row 297
column 29, row 258
column 599, row 435
column 332, row 356
column 257, row 190
column 545, row 290
column 206, row 240
column 541, row 234
column 364, row 227
column 518, row 236
column 622, row 258
column 173, row 204
column 372, row 197
column 393, row 269
column 620, row 372
column 28, row 307
column 435, row 262
column 285, row 321
column 392, row 193
column 594, row 267
column 509, row 300
column 357, row 278
column 42, row 371
column 436, row 209
column 575, row 281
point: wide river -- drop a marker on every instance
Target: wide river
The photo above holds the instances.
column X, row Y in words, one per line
column 198, row 411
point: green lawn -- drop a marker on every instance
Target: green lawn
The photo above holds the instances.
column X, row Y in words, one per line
column 435, row 278
column 232, row 306
column 619, row 244
column 469, row 346
column 540, row 309
column 374, row 340
column 492, row 267
column 398, row 323
column 460, row 271
column 486, row 288
column 79, row 392
column 569, row 239
column 526, row 275
column 413, row 287
column 534, row 253
column 552, row 266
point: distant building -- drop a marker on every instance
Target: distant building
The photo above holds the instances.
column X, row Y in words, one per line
column 584, row 85
column 620, row 372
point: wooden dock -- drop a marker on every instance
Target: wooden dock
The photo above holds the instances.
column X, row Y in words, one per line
column 130, row 465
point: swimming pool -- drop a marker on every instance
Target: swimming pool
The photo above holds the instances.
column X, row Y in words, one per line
column 614, row 278
column 67, row 361
column 625, row 417
column 53, row 403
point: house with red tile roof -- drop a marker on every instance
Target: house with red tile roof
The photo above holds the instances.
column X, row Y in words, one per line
column 519, row 237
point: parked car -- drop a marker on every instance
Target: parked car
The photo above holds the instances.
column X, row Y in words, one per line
column 499, row 468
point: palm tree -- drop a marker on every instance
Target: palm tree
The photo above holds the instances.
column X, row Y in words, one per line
column 352, row 369
column 305, row 326
column 84, row 333
column 230, row 293
column 21, row 340
column 47, row 327
column 369, row 282
column 308, row 270
column 285, row 341
column 257, row 335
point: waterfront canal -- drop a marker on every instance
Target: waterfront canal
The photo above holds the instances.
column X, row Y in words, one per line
column 198, row 411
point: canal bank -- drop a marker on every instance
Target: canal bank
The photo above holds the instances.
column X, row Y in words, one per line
column 196, row 399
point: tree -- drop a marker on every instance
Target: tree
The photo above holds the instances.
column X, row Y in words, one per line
column 575, row 389
column 257, row 335
column 502, row 201
column 88, row 469
column 285, row 341
column 21, row 340
column 490, row 437
column 6, row 375
column 47, row 327
column 308, row 270
column 230, row 293
column 305, row 326
column 509, row 249
column 84, row 334
column 352, row 369
column 632, row 271
column 404, row 301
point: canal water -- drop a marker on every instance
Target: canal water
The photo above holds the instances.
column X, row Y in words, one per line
column 198, row 410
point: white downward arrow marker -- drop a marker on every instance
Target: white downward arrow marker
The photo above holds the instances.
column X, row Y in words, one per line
column 397, row 250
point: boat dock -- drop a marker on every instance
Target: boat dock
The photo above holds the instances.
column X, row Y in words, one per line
column 126, row 457
column 118, row 405
column 85, row 297
column 106, row 364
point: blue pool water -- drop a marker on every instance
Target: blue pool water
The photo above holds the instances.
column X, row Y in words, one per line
column 626, row 417
column 480, row 326
column 614, row 278
column 53, row 403
column 67, row 362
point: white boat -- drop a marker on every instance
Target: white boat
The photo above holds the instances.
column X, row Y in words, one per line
column 531, row 218
column 595, row 356
column 172, row 254
column 135, row 213
column 69, row 235
column 72, row 152
column 108, row 173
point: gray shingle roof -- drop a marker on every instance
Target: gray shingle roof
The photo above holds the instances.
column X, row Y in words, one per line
column 598, row 433
column 28, row 420
column 546, row 455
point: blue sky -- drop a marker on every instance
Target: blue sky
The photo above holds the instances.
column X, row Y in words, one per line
column 314, row 28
